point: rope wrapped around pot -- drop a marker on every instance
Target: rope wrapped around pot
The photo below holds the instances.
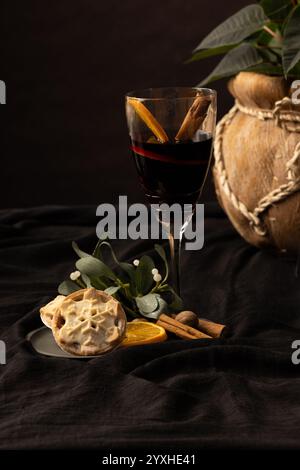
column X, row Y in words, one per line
column 238, row 207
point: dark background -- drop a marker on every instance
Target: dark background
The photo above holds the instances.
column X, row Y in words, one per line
column 67, row 65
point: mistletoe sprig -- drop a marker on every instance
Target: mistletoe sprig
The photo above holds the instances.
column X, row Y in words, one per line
column 139, row 286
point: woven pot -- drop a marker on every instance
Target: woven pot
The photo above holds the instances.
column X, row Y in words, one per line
column 257, row 162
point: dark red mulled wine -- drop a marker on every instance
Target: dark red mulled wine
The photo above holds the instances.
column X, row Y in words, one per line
column 173, row 172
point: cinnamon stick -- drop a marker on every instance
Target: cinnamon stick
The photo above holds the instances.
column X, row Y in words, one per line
column 194, row 118
column 172, row 329
column 209, row 327
column 212, row 329
column 179, row 329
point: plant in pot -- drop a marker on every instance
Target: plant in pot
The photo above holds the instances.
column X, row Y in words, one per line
column 257, row 145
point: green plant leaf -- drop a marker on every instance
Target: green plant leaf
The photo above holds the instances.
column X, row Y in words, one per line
column 98, row 283
column 162, row 306
column 78, row 251
column 204, row 53
column 147, row 303
column 236, row 28
column 67, row 287
column 94, row 267
column 97, row 250
column 135, row 295
column 143, row 275
column 267, row 69
column 264, row 38
column 236, row 60
column 129, row 270
column 126, row 267
column 291, row 41
column 112, row 289
column 176, row 303
column 151, row 305
column 276, row 9
column 268, row 56
column 86, row 280
column 295, row 71
column 160, row 250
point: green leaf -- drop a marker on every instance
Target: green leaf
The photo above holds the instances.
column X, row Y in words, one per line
column 236, row 28
column 269, row 56
column 236, row 60
column 78, row 251
column 126, row 267
column 203, row 54
column 264, row 38
column 143, row 275
column 267, row 69
column 276, row 9
column 176, row 303
column 160, row 250
column 67, row 287
column 129, row 270
column 295, row 71
column 94, row 267
column 97, row 250
column 147, row 304
column 86, row 280
column 98, row 283
column 291, row 42
column 151, row 305
column 162, row 307
column 112, row 289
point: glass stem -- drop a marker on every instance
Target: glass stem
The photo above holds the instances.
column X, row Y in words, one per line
column 175, row 250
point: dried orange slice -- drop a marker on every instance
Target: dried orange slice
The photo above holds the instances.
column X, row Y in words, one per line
column 149, row 119
column 143, row 332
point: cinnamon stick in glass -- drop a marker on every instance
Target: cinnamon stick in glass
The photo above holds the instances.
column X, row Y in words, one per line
column 194, row 118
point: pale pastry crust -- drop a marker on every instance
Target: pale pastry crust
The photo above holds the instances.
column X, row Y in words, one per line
column 48, row 310
column 89, row 322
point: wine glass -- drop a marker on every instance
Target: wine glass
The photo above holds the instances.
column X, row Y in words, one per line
column 171, row 138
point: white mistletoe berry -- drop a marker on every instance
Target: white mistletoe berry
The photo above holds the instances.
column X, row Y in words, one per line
column 154, row 271
column 157, row 277
column 75, row 275
column 136, row 262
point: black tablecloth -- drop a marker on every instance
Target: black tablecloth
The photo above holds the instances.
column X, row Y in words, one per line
column 241, row 391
